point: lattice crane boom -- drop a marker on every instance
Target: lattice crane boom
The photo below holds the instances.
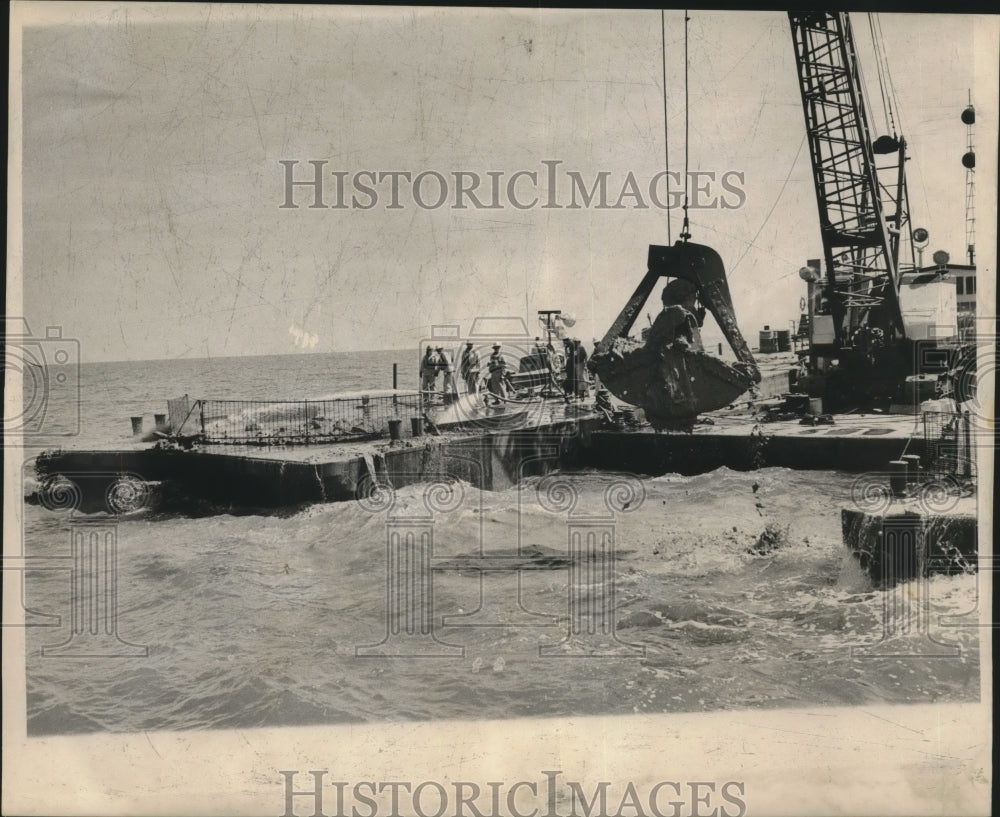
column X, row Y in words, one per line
column 861, row 251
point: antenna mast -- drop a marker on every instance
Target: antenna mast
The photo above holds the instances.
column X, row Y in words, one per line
column 969, row 163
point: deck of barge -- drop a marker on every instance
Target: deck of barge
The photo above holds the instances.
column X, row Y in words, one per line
column 570, row 438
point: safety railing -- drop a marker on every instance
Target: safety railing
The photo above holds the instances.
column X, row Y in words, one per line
column 298, row 422
column 949, row 444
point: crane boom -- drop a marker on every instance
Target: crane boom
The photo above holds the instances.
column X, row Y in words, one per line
column 861, row 253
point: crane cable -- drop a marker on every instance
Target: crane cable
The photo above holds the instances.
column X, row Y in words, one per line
column 894, row 101
column 885, row 85
column 666, row 140
column 891, row 103
column 879, row 72
column 685, row 230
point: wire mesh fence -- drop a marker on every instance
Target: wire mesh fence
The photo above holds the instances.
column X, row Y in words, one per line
column 949, row 444
column 300, row 422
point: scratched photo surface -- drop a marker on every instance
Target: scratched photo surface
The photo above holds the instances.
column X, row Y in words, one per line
column 240, row 503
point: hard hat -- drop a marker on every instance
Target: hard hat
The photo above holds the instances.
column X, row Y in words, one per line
column 496, row 345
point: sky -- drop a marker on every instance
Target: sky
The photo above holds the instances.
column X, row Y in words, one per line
column 153, row 139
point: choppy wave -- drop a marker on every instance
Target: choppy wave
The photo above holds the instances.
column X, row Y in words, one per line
column 258, row 620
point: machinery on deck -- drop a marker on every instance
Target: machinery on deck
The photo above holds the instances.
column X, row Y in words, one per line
column 870, row 330
column 540, row 371
column 871, row 333
column 672, row 382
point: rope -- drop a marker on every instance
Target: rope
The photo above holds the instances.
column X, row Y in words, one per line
column 893, row 101
column 666, row 140
column 879, row 72
column 890, row 103
column 685, row 231
column 770, row 212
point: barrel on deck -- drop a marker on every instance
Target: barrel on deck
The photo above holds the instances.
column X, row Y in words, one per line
column 768, row 341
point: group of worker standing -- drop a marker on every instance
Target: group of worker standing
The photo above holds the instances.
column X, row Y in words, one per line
column 437, row 362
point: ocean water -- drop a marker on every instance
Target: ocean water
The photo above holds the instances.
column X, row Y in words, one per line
column 273, row 620
column 91, row 405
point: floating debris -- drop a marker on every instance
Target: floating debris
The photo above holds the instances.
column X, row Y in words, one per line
column 773, row 537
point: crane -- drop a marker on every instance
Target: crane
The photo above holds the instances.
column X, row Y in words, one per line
column 862, row 347
column 861, row 351
column 861, row 249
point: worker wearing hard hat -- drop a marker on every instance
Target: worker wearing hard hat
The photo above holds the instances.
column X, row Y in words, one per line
column 569, row 353
column 448, row 368
column 497, row 368
column 428, row 373
column 580, row 368
column 468, row 368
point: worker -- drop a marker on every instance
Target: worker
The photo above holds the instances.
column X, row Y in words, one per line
column 497, row 368
column 580, row 368
column 469, row 368
column 447, row 367
column 676, row 327
column 428, row 373
column 605, row 406
column 596, row 379
column 569, row 352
